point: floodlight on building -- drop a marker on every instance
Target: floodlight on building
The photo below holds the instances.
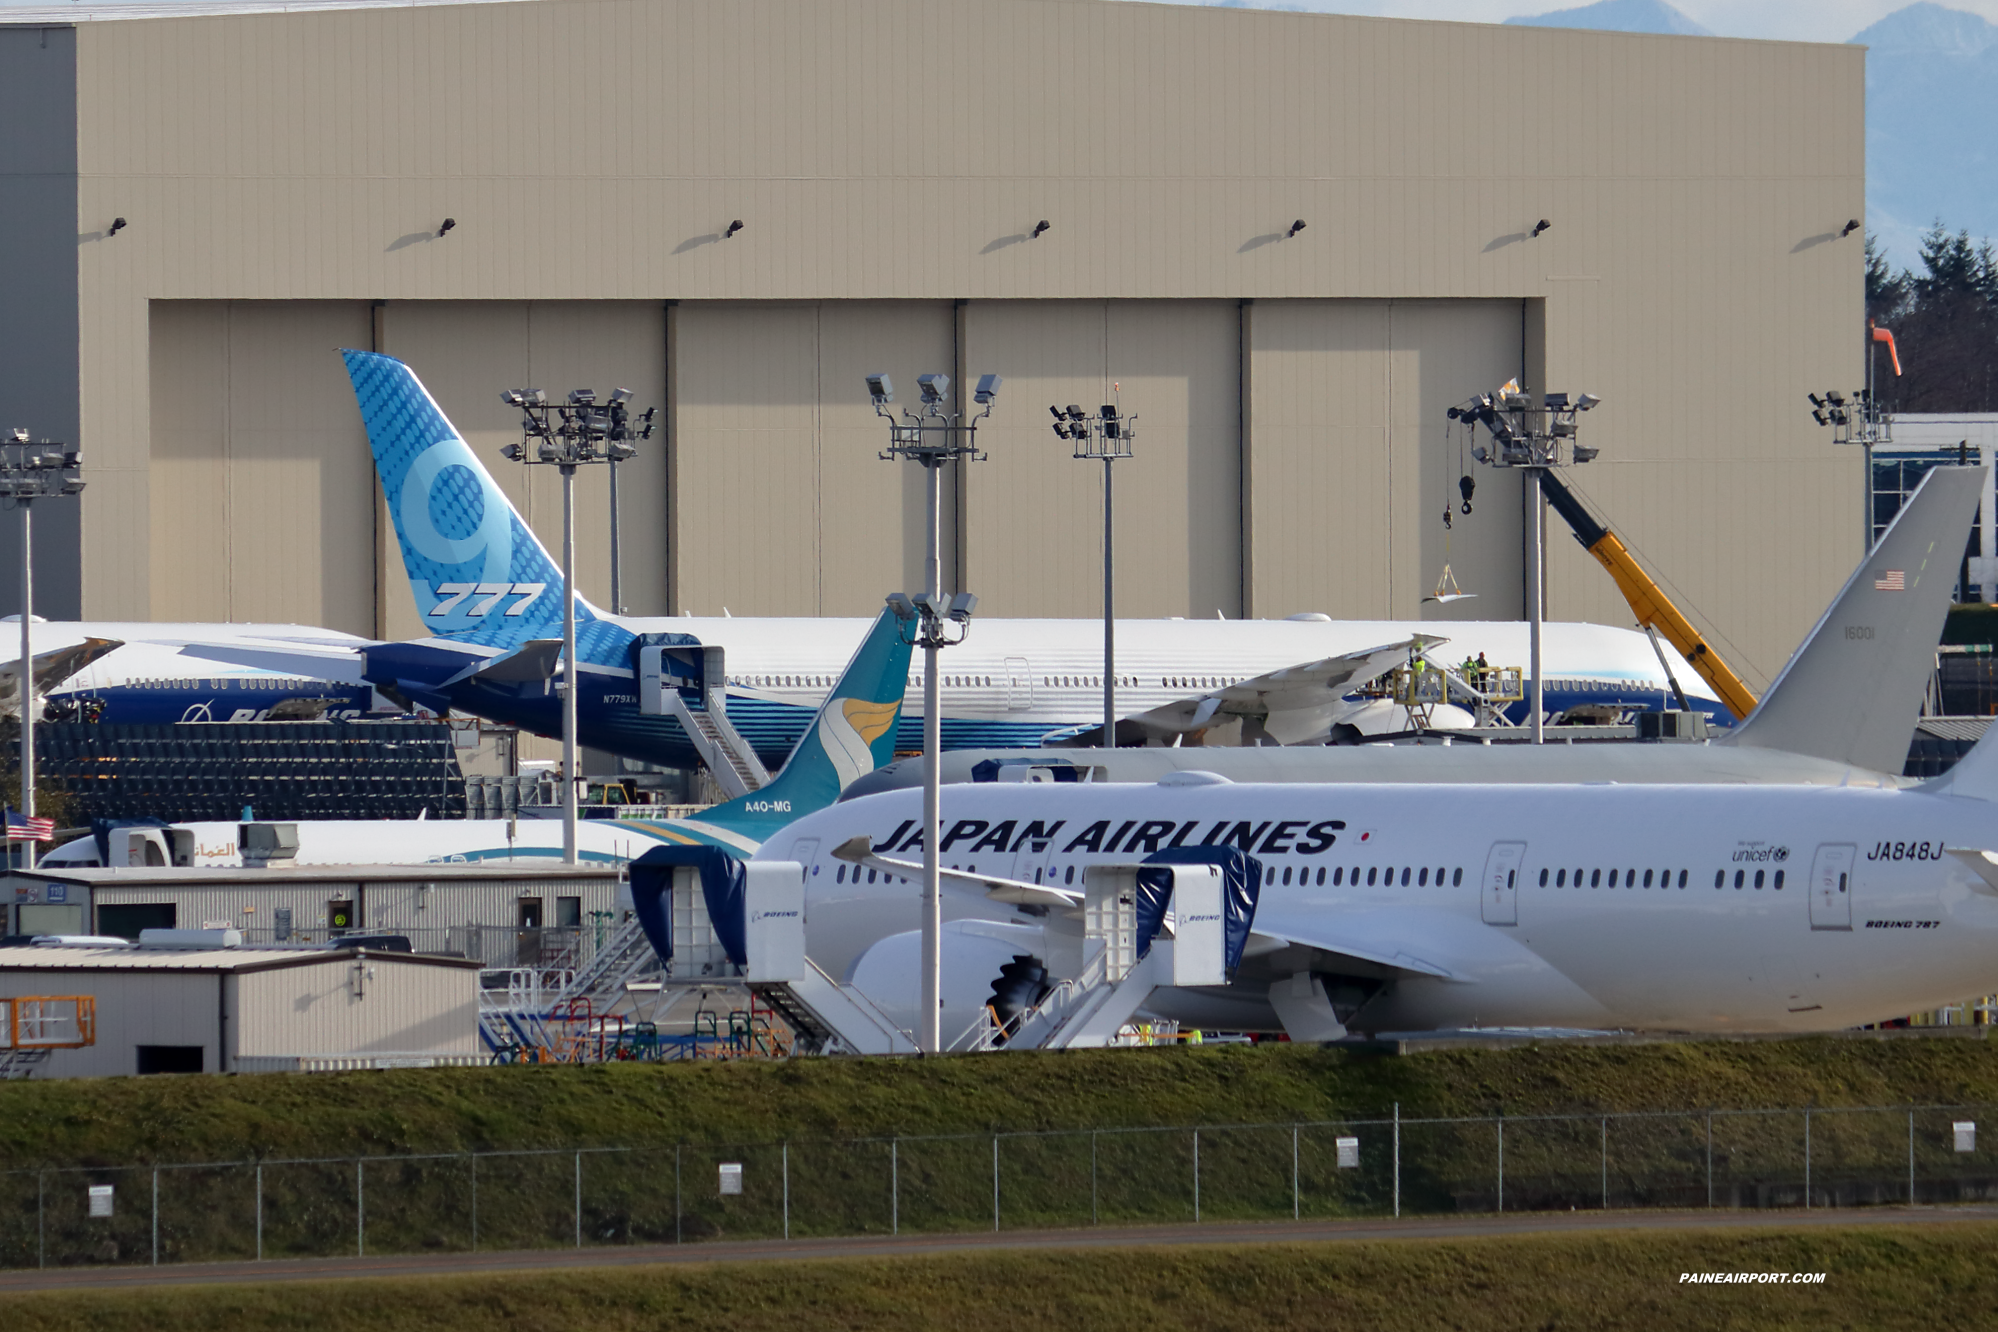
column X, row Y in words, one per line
column 1297, row 226
column 1849, row 228
column 733, row 227
column 118, row 224
column 449, row 223
column 1041, row 226
column 1540, row 226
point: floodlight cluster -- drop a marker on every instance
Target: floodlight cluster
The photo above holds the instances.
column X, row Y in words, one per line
column 581, row 430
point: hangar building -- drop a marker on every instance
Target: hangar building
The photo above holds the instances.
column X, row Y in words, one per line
column 283, row 173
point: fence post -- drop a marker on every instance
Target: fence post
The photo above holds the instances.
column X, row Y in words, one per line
column 1196, row 1176
column 360, row 1213
column 676, row 1193
column 475, row 1201
column 1807, row 1158
column 1911, row 1158
column 894, row 1186
column 1293, row 1172
column 1501, row 1163
column 1092, row 1178
column 156, row 1216
column 1397, row 1158
column 260, row 1211
column 995, row 1183
column 579, row 1200
column 1710, row 1158
column 1605, row 1163
column 787, row 1190
column 41, row 1221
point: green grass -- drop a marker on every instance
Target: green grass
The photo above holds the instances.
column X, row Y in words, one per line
column 136, row 1120
column 1888, row 1277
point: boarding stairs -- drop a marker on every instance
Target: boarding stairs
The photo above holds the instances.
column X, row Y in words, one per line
column 729, row 757
column 625, row 956
column 1104, row 979
column 828, row 1017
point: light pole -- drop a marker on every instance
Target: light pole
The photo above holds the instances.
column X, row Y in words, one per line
column 622, row 429
column 932, row 438
column 570, row 435
column 29, row 472
column 1532, row 439
column 1861, row 420
column 1106, row 438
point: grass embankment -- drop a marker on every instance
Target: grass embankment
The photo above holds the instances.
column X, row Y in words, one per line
column 1875, row 1278
column 137, row 1120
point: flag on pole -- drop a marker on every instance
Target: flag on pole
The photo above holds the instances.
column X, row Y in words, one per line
column 21, row 828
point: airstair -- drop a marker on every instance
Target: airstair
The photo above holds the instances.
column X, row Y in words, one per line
column 624, row 957
column 729, row 757
column 1111, row 965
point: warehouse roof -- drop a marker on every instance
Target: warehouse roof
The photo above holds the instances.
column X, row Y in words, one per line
column 52, row 958
column 215, row 876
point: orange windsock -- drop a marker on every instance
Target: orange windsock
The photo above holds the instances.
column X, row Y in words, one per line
column 1882, row 335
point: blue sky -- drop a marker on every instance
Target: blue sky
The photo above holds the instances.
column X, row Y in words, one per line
column 1782, row 20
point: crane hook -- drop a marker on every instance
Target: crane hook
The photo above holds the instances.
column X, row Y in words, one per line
column 1466, row 485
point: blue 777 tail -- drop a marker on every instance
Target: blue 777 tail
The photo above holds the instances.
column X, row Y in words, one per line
column 479, row 575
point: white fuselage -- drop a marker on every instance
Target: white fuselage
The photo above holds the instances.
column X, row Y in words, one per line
column 1695, row 934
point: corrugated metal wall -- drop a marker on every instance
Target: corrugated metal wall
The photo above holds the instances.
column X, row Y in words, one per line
column 133, row 1009
column 381, row 907
column 372, row 1005
column 1692, row 275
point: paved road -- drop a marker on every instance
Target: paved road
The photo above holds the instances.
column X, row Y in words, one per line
column 882, row 1246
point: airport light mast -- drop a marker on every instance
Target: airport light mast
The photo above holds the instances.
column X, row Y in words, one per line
column 29, row 472
column 1106, row 438
column 1862, row 421
column 571, row 435
column 1536, row 440
column 932, row 438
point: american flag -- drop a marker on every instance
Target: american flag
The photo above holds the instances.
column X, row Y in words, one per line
column 27, row 829
column 1891, row 580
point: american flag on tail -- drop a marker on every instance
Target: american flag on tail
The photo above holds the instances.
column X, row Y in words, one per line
column 26, row 828
column 1891, row 580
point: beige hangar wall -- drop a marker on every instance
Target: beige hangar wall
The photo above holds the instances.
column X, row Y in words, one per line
column 1693, row 275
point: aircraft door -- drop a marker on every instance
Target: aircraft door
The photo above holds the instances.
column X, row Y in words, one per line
column 1019, row 685
column 1499, row 890
column 1831, row 884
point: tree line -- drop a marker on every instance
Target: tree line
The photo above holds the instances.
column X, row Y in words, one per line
column 1944, row 318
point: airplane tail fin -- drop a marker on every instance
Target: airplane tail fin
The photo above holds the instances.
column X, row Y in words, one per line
column 853, row 735
column 1853, row 691
column 479, row 574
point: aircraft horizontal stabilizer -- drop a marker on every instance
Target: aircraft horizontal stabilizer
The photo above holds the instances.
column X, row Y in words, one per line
column 536, row 659
column 1985, row 863
column 1290, row 705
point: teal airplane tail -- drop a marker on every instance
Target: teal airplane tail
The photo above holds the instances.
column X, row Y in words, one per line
column 853, row 734
column 479, row 574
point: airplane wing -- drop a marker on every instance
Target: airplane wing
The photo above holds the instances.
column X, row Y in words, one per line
column 1377, row 952
column 51, row 669
column 283, row 658
column 1292, row 704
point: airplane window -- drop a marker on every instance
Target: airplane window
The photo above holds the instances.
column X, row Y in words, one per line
column 1370, row 877
column 1737, row 878
column 1758, row 880
column 1338, row 875
column 1647, row 878
column 870, row 873
column 1356, row 876
column 1841, row 883
column 1720, row 877
column 1404, row 876
column 1071, row 874
column 1630, row 878
column 1543, row 878
column 1457, row 877
column 1596, row 879
column 1682, row 878
column 840, row 877
column 1561, row 879
column 1321, row 876
column 1779, row 880
column 1439, row 876
column 1422, row 880
column 1612, row 882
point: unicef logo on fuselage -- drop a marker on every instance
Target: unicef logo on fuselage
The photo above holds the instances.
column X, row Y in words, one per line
column 449, row 519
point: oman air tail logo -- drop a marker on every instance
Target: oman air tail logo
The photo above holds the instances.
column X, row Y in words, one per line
column 848, row 732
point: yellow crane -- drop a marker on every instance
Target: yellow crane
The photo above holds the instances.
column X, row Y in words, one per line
column 1654, row 610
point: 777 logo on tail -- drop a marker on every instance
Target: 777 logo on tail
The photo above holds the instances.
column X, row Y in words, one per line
column 491, row 594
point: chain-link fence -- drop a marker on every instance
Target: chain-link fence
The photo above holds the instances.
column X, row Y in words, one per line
column 693, row 1192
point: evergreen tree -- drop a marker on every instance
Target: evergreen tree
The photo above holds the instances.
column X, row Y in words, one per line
column 1945, row 323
